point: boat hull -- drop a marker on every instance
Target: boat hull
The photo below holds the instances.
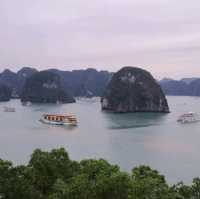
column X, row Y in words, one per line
column 188, row 121
column 59, row 123
column 189, row 118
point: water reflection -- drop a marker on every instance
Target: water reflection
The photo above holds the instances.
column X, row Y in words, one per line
column 134, row 120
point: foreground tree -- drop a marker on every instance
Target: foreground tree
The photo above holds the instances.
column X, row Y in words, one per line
column 149, row 184
column 52, row 175
column 45, row 168
column 196, row 188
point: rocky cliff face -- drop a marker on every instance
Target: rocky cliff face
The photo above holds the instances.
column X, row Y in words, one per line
column 45, row 87
column 22, row 76
column 88, row 83
column 16, row 81
column 184, row 87
column 134, row 90
column 5, row 93
column 8, row 78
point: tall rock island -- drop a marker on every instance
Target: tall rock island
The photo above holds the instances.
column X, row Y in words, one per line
column 133, row 89
column 45, row 87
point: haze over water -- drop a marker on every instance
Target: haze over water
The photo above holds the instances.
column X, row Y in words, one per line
column 125, row 139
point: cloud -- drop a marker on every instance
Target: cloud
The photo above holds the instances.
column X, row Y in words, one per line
column 156, row 34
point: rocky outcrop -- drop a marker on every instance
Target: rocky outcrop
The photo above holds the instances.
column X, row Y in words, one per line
column 16, row 81
column 22, row 76
column 183, row 87
column 134, row 90
column 88, row 83
column 174, row 87
column 8, row 78
column 45, row 87
column 5, row 93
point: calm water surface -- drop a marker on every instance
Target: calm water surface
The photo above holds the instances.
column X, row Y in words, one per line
column 125, row 139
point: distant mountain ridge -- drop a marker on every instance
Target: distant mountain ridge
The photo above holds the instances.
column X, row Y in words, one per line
column 16, row 81
column 189, row 80
column 88, row 82
column 183, row 87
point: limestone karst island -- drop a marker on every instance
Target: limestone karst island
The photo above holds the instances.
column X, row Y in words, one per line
column 134, row 90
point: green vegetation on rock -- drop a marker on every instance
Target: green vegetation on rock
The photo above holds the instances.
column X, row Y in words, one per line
column 53, row 175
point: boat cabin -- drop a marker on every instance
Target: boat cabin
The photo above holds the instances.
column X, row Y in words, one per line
column 60, row 118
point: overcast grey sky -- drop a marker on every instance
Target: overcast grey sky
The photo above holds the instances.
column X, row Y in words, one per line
column 162, row 36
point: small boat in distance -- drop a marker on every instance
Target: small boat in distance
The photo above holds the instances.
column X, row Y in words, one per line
column 28, row 103
column 56, row 119
column 189, row 118
column 9, row 109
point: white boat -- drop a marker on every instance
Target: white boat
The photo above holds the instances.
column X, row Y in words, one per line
column 189, row 118
column 9, row 109
column 88, row 99
column 59, row 119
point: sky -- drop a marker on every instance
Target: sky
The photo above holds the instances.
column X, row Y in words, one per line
column 162, row 36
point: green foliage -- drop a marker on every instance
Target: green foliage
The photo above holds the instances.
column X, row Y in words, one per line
column 148, row 183
column 94, row 168
column 46, row 168
column 182, row 191
column 196, row 188
column 53, row 175
column 14, row 182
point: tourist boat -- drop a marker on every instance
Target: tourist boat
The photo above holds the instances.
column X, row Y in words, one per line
column 59, row 119
column 9, row 109
column 189, row 118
